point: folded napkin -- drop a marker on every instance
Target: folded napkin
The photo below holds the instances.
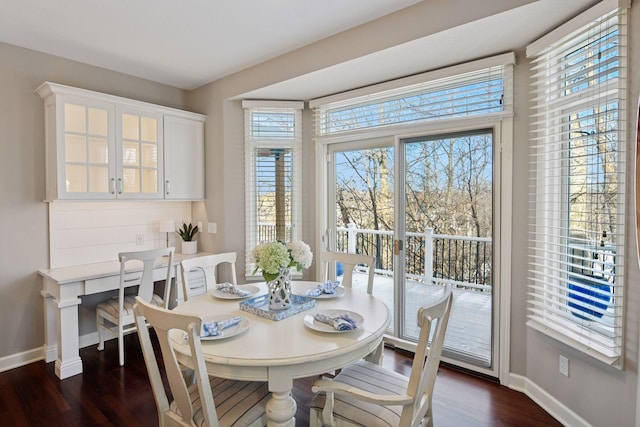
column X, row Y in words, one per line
column 213, row 329
column 327, row 287
column 230, row 288
column 341, row 322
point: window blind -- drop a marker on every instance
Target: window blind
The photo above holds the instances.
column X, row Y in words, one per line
column 273, row 156
column 469, row 92
column 577, row 183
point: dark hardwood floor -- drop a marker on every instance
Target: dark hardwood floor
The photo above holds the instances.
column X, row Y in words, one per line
column 109, row 395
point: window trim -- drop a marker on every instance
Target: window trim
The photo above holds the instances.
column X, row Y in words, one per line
column 251, row 143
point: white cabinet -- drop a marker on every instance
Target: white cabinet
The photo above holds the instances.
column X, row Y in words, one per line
column 100, row 146
column 184, row 158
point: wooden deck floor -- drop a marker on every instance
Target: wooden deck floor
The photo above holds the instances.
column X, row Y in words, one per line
column 469, row 331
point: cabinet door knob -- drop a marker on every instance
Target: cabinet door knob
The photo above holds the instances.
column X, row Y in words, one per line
column 119, row 185
column 167, row 186
column 112, row 186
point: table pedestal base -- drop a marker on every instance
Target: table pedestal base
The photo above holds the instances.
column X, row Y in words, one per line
column 281, row 410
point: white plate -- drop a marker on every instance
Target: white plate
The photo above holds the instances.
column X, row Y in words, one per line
column 337, row 292
column 253, row 290
column 311, row 323
column 229, row 332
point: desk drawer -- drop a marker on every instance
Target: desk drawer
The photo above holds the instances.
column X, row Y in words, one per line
column 103, row 284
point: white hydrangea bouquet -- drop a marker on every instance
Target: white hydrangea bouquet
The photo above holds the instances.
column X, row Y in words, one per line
column 273, row 257
column 275, row 260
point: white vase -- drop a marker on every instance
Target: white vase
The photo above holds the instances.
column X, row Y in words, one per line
column 280, row 290
column 190, row 248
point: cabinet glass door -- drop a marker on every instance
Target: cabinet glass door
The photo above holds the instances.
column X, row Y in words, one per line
column 86, row 149
column 140, row 138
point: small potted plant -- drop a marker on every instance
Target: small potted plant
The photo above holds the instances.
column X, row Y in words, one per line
column 188, row 232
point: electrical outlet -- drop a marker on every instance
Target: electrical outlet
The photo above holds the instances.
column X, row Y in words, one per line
column 139, row 239
column 564, row 366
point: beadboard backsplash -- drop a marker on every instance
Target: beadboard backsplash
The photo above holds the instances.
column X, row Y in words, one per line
column 88, row 232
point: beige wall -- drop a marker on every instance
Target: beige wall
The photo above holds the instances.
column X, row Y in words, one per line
column 23, row 214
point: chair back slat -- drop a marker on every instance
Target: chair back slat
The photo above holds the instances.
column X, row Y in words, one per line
column 130, row 260
column 349, row 262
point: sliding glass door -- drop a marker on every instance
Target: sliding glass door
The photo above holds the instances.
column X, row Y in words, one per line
column 423, row 207
column 361, row 209
column 445, row 228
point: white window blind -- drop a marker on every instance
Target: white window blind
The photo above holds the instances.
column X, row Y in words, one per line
column 577, row 160
column 469, row 92
column 273, row 155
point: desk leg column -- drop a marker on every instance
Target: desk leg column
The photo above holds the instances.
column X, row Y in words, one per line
column 281, row 408
column 68, row 362
column 50, row 348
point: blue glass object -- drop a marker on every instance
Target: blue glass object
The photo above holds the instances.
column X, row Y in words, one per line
column 339, row 269
column 583, row 289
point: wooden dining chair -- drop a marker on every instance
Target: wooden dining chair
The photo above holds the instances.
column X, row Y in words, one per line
column 208, row 265
column 366, row 394
column 118, row 311
column 213, row 402
column 349, row 262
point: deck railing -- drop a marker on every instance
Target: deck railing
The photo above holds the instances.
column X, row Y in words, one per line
column 465, row 262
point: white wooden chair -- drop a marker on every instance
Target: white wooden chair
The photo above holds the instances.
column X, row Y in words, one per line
column 366, row 394
column 118, row 311
column 349, row 261
column 213, row 402
column 208, row 264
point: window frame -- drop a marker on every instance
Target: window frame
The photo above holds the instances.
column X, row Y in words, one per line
column 502, row 125
column 560, row 99
column 253, row 142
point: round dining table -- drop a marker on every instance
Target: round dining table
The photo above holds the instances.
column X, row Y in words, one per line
column 279, row 351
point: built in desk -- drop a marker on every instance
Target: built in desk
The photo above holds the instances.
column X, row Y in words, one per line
column 61, row 292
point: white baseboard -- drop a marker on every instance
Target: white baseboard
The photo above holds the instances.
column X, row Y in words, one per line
column 546, row 401
column 21, row 359
column 30, row 356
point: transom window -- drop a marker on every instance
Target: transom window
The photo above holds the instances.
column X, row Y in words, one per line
column 479, row 92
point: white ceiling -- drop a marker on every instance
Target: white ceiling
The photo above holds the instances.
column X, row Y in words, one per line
column 495, row 34
column 182, row 43
column 188, row 43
